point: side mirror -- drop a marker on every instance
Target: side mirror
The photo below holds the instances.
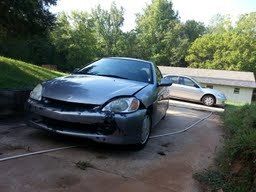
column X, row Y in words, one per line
column 165, row 82
column 75, row 70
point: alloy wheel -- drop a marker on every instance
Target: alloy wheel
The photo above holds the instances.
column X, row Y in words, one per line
column 146, row 126
column 208, row 100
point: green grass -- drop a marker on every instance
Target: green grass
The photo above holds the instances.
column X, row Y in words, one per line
column 15, row 74
column 239, row 123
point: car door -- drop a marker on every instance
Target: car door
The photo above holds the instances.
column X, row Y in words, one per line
column 174, row 89
column 161, row 104
column 188, row 89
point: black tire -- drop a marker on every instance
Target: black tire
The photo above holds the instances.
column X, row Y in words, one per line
column 144, row 140
column 209, row 100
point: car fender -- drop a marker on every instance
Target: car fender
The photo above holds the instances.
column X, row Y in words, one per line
column 147, row 95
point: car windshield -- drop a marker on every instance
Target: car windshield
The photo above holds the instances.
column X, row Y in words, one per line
column 120, row 68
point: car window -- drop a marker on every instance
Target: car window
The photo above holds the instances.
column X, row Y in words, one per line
column 175, row 79
column 187, row 82
column 120, row 68
column 158, row 74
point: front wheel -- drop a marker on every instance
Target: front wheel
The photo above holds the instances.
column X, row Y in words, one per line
column 145, row 133
column 208, row 100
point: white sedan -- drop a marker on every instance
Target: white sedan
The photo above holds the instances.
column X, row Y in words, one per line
column 187, row 88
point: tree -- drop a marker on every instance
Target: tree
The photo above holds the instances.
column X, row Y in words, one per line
column 193, row 30
column 234, row 49
column 74, row 40
column 247, row 24
column 160, row 34
column 24, row 18
column 107, row 27
column 220, row 23
column 127, row 44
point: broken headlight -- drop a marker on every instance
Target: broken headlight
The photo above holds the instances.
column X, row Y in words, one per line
column 123, row 105
column 36, row 94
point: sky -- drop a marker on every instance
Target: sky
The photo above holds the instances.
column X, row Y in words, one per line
column 199, row 10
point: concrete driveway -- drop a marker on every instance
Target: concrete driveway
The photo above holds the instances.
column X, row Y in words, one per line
column 166, row 163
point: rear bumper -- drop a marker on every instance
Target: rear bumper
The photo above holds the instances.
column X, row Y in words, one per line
column 220, row 101
column 99, row 126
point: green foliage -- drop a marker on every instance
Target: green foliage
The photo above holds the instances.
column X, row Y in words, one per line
column 24, row 27
column 193, row 30
column 220, row 24
column 214, row 179
column 16, row 74
column 240, row 125
column 128, row 45
column 28, row 31
column 239, row 149
column 38, row 50
column 232, row 49
column 160, row 34
column 247, row 24
column 82, row 37
column 107, row 28
column 21, row 18
column 74, row 39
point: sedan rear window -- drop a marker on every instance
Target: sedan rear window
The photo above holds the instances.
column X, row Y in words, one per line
column 120, row 68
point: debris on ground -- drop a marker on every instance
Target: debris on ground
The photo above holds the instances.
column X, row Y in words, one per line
column 84, row 165
column 161, row 153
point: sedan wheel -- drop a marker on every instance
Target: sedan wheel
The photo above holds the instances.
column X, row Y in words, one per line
column 146, row 129
column 146, row 126
column 208, row 100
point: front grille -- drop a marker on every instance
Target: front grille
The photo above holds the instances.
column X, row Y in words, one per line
column 68, row 106
column 96, row 128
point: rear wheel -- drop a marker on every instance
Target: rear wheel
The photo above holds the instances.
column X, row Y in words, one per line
column 208, row 100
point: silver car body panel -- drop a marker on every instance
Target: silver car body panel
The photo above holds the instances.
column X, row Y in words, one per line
column 89, row 89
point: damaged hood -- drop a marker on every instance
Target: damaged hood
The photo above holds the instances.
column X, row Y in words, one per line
column 89, row 89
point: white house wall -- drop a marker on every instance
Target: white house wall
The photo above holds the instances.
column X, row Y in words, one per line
column 244, row 96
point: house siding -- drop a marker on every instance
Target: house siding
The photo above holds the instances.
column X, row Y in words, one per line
column 244, row 95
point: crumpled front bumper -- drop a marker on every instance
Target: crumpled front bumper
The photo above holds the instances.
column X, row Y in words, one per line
column 96, row 125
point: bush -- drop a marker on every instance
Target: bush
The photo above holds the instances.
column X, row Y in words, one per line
column 236, row 162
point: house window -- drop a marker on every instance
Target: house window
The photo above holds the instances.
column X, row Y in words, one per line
column 236, row 90
column 209, row 86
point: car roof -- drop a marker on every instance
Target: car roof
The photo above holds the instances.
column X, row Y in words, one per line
column 128, row 58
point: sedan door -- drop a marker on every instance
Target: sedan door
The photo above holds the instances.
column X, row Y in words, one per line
column 174, row 89
column 190, row 90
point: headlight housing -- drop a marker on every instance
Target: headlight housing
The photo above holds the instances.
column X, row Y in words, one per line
column 123, row 105
column 36, row 94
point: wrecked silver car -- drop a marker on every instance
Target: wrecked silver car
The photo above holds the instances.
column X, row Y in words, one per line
column 113, row 100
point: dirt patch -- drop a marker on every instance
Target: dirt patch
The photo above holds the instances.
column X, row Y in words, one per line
column 67, row 181
column 167, row 144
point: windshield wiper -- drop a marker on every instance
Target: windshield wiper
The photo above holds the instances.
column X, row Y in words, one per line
column 108, row 75
column 104, row 75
